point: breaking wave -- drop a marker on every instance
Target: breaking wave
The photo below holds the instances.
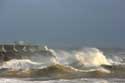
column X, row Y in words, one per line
column 54, row 64
column 83, row 57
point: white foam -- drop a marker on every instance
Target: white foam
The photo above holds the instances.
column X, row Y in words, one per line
column 91, row 56
column 34, row 61
column 22, row 64
column 86, row 56
column 5, row 80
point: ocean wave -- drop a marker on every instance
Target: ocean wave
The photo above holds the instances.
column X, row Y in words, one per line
column 85, row 57
column 56, row 71
column 55, row 64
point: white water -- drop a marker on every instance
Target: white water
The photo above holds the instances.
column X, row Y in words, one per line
column 4, row 80
column 22, row 64
column 34, row 61
column 83, row 57
column 86, row 57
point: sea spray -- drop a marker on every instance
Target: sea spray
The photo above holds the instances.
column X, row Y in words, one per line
column 85, row 56
column 56, row 64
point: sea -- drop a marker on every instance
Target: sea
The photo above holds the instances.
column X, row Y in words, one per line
column 81, row 65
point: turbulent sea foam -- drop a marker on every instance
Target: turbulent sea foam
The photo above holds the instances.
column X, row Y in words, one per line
column 50, row 64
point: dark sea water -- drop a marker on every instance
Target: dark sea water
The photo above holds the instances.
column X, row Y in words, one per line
column 84, row 65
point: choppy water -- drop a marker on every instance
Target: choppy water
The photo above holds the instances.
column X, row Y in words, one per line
column 86, row 65
column 85, row 80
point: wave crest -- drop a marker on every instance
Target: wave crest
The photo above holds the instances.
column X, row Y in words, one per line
column 85, row 57
column 86, row 62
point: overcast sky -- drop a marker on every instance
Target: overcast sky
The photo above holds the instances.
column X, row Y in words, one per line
column 64, row 22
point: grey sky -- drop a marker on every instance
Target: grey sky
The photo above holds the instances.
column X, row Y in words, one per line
column 64, row 22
